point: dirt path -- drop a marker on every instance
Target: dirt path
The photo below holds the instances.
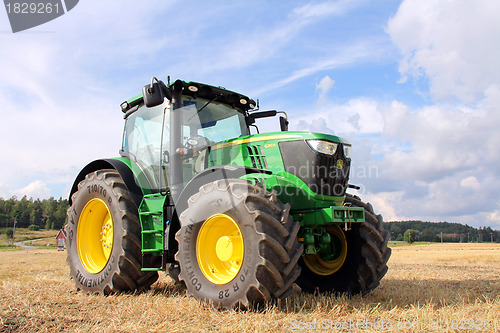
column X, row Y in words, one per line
column 27, row 247
column 22, row 244
column 8, row 241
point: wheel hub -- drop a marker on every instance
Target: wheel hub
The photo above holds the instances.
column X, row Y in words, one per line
column 107, row 237
column 220, row 249
column 229, row 248
column 95, row 236
column 327, row 265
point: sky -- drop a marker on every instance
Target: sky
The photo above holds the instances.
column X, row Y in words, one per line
column 414, row 85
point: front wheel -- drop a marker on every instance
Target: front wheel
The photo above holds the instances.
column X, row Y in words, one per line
column 104, row 251
column 361, row 259
column 237, row 245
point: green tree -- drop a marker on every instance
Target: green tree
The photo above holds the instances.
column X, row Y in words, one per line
column 428, row 235
column 48, row 223
column 21, row 212
column 410, row 236
column 59, row 217
column 9, row 232
column 33, row 227
column 36, row 213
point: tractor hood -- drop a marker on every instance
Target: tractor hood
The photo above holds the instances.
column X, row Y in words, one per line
column 318, row 162
column 274, row 137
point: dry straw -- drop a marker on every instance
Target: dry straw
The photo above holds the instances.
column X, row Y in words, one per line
column 439, row 287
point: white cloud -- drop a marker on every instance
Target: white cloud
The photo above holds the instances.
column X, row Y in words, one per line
column 431, row 163
column 456, row 174
column 436, row 162
column 470, row 182
column 441, row 140
column 324, row 86
column 61, row 91
column 493, row 219
column 246, row 47
column 36, row 189
column 338, row 57
column 384, row 203
column 453, row 44
column 324, row 9
column 357, row 116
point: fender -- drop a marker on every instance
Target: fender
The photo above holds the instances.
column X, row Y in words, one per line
column 124, row 171
column 210, row 175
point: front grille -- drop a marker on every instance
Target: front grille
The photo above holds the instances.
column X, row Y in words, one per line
column 323, row 174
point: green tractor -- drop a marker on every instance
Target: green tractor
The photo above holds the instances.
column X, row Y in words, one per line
column 237, row 217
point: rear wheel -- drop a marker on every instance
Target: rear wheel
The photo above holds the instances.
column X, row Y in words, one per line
column 237, row 245
column 104, row 251
column 361, row 261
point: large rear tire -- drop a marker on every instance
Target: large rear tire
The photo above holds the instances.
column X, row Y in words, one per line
column 104, row 247
column 364, row 258
column 238, row 245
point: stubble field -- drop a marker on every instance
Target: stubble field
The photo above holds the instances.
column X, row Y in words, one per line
column 438, row 287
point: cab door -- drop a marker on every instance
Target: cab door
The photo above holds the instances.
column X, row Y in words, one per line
column 145, row 142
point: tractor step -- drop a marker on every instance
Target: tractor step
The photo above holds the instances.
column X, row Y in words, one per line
column 153, row 231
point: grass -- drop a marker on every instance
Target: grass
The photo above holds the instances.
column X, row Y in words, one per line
column 40, row 238
column 437, row 287
column 393, row 244
column 23, row 234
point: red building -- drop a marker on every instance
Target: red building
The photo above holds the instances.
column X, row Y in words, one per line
column 61, row 240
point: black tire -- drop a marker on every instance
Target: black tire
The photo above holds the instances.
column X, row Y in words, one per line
column 121, row 271
column 270, row 246
column 366, row 261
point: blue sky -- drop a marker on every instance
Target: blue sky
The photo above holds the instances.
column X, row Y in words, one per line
column 414, row 85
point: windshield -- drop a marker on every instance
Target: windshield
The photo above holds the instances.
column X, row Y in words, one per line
column 211, row 120
column 204, row 123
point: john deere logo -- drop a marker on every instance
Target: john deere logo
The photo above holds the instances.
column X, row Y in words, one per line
column 340, row 164
column 26, row 14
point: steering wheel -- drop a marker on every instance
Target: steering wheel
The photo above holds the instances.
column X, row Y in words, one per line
column 197, row 143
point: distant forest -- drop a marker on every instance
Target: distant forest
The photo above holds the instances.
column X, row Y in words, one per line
column 47, row 213
column 51, row 214
column 442, row 231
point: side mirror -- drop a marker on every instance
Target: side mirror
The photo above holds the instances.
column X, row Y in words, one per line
column 155, row 93
column 256, row 115
column 283, row 124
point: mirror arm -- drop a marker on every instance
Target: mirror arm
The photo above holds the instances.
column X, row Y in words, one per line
column 286, row 116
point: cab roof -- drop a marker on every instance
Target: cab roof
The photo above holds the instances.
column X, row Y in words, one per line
column 197, row 89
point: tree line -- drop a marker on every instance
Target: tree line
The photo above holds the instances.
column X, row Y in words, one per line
column 48, row 213
column 51, row 214
column 440, row 231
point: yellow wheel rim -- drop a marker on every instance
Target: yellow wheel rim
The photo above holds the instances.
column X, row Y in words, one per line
column 94, row 236
column 328, row 267
column 220, row 249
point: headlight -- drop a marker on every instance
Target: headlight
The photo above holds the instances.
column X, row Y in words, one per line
column 347, row 151
column 323, row 147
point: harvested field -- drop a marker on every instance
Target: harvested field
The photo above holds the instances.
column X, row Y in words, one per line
column 437, row 287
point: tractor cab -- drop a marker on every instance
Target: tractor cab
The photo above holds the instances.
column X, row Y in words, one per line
column 179, row 129
column 180, row 132
column 202, row 122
